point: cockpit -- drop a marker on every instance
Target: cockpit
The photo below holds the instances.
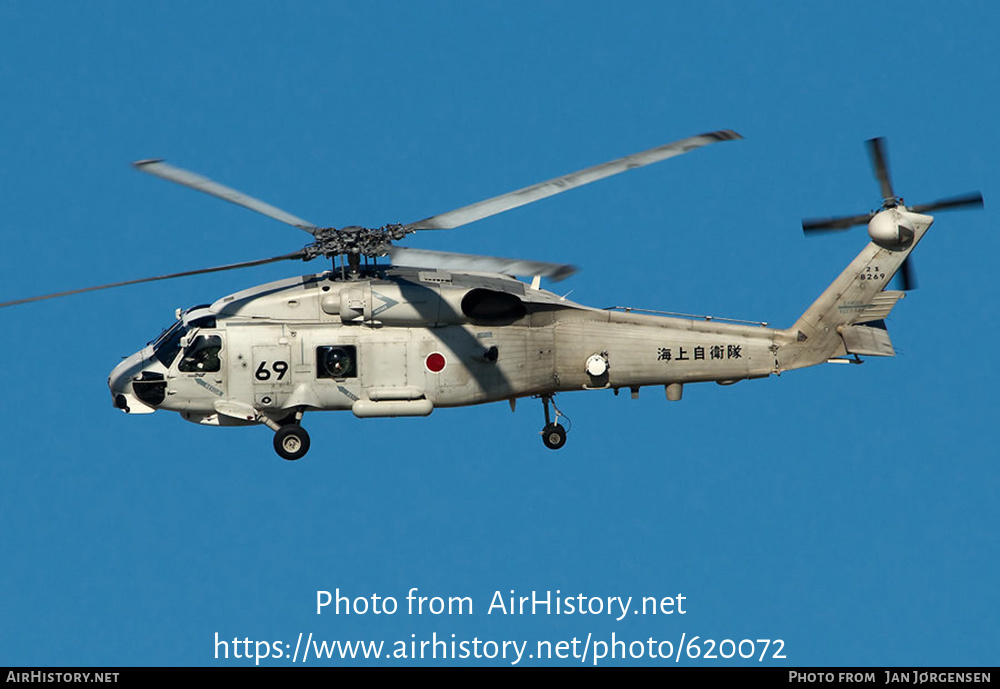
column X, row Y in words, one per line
column 191, row 345
column 166, row 346
column 199, row 354
column 202, row 355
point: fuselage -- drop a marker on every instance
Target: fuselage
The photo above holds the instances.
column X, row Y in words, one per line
column 403, row 342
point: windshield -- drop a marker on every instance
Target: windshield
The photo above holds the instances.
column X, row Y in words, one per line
column 164, row 333
column 167, row 345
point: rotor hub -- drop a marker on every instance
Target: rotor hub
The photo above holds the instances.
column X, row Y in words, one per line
column 354, row 241
column 891, row 226
column 887, row 229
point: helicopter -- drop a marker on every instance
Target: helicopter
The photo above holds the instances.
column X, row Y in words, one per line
column 433, row 329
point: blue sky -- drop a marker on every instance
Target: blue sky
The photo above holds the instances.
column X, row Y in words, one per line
column 849, row 511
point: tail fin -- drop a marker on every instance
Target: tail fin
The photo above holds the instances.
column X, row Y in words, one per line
column 830, row 327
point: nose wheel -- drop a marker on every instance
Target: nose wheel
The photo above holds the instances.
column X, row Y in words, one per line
column 553, row 435
column 291, row 442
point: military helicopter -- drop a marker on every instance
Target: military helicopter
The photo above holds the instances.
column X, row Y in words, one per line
column 436, row 329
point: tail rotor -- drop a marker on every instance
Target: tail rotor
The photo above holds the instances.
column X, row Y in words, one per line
column 886, row 223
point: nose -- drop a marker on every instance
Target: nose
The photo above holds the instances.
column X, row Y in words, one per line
column 128, row 397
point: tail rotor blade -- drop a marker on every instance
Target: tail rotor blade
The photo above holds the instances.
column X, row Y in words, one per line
column 971, row 200
column 876, row 150
column 907, row 278
column 830, row 224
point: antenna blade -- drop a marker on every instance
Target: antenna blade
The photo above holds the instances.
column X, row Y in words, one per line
column 444, row 260
column 170, row 173
column 876, row 150
column 973, row 199
column 521, row 197
column 231, row 266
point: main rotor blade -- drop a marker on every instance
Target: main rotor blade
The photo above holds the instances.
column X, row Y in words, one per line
column 972, row 199
column 826, row 224
column 514, row 199
column 444, row 260
column 876, row 149
column 231, row 266
column 170, row 173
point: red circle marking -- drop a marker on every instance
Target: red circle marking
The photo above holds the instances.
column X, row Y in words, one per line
column 435, row 362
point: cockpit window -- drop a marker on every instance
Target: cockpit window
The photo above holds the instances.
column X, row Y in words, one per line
column 167, row 345
column 203, row 322
column 202, row 356
column 165, row 333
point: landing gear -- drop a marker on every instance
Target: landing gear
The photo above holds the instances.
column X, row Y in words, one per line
column 553, row 435
column 291, row 442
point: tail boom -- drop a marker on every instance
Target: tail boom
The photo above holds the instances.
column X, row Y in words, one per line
column 857, row 296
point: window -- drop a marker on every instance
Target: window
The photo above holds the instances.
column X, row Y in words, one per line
column 337, row 361
column 202, row 356
column 169, row 343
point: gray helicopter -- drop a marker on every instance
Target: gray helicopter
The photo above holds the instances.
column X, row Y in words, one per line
column 437, row 329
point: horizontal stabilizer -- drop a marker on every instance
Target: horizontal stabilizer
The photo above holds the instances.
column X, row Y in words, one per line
column 869, row 339
column 879, row 307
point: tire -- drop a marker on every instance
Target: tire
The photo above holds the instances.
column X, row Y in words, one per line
column 554, row 436
column 291, row 442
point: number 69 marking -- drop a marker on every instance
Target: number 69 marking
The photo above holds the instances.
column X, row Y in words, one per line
column 279, row 367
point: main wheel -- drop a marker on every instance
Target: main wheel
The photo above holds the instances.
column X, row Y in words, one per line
column 291, row 442
column 554, row 436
